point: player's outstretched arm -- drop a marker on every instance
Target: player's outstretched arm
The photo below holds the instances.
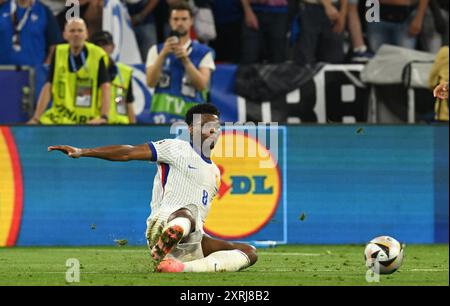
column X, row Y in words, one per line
column 112, row 153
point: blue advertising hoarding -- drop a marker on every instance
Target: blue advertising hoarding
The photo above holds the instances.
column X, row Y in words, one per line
column 333, row 185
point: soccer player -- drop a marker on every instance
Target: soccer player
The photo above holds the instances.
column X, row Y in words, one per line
column 184, row 187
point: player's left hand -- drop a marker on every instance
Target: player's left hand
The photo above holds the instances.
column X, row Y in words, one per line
column 68, row 150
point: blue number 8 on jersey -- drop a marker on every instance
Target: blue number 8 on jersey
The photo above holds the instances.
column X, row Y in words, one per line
column 205, row 197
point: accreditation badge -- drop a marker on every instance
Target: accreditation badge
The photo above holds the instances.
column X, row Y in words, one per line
column 164, row 80
column 120, row 100
column 187, row 88
column 16, row 43
column 83, row 93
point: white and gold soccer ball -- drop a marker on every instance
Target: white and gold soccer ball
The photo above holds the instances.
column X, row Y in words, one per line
column 383, row 255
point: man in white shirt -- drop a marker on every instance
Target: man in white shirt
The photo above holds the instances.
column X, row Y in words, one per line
column 179, row 70
column 184, row 188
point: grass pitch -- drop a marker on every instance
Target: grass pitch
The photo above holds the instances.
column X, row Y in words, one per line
column 283, row 265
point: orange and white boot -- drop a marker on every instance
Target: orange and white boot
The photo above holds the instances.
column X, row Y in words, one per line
column 167, row 242
column 170, row 266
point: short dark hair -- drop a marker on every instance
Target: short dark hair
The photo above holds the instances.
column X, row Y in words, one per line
column 181, row 5
column 204, row 108
column 102, row 38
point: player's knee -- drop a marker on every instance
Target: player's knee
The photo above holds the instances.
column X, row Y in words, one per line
column 184, row 213
column 251, row 253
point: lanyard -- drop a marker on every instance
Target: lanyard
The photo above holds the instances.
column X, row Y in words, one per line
column 120, row 92
column 18, row 25
column 72, row 61
column 189, row 49
column 120, row 77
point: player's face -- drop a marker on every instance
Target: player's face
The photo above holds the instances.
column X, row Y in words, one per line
column 210, row 129
column 75, row 33
column 205, row 127
column 181, row 21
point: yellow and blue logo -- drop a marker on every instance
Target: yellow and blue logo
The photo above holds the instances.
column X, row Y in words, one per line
column 11, row 189
column 249, row 194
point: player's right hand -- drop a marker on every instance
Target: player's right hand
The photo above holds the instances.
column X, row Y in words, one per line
column 68, row 150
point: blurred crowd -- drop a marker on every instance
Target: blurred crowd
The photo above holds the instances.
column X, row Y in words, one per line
column 252, row 31
column 239, row 31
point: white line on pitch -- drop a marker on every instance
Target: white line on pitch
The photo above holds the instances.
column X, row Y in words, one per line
column 289, row 254
column 260, row 271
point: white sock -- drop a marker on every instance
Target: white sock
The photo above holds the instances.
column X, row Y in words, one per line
column 184, row 223
column 227, row 261
column 362, row 49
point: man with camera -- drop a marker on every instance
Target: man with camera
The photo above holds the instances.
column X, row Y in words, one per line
column 179, row 70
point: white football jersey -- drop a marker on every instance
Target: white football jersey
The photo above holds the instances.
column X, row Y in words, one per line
column 184, row 178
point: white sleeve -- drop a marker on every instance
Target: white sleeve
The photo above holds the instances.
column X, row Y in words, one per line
column 152, row 56
column 165, row 151
column 208, row 62
column 218, row 180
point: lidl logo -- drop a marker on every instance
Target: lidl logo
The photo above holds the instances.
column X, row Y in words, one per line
column 248, row 194
column 11, row 191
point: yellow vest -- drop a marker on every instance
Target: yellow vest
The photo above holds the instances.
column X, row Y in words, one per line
column 75, row 94
column 118, row 110
column 440, row 72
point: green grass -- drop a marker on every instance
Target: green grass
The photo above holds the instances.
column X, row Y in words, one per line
column 283, row 265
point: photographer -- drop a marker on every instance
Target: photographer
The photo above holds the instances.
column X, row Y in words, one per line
column 179, row 69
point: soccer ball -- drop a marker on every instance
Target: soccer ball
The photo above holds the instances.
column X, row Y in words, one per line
column 383, row 255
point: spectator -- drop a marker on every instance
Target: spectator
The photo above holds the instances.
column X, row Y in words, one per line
column 56, row 6
column 121, row 106
column 77, row 75
column 91, row 11
column 28, row 33
column 401, row 23
column 360, row 52
column 165, row 11
column 179, row 69
column 434, row 32
column 162, row 18
column 264, row 31
column 443, row 25
column 322, row 23
column 228, row 18
column 439, row 83
column 143, row 21
column 93, row 16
